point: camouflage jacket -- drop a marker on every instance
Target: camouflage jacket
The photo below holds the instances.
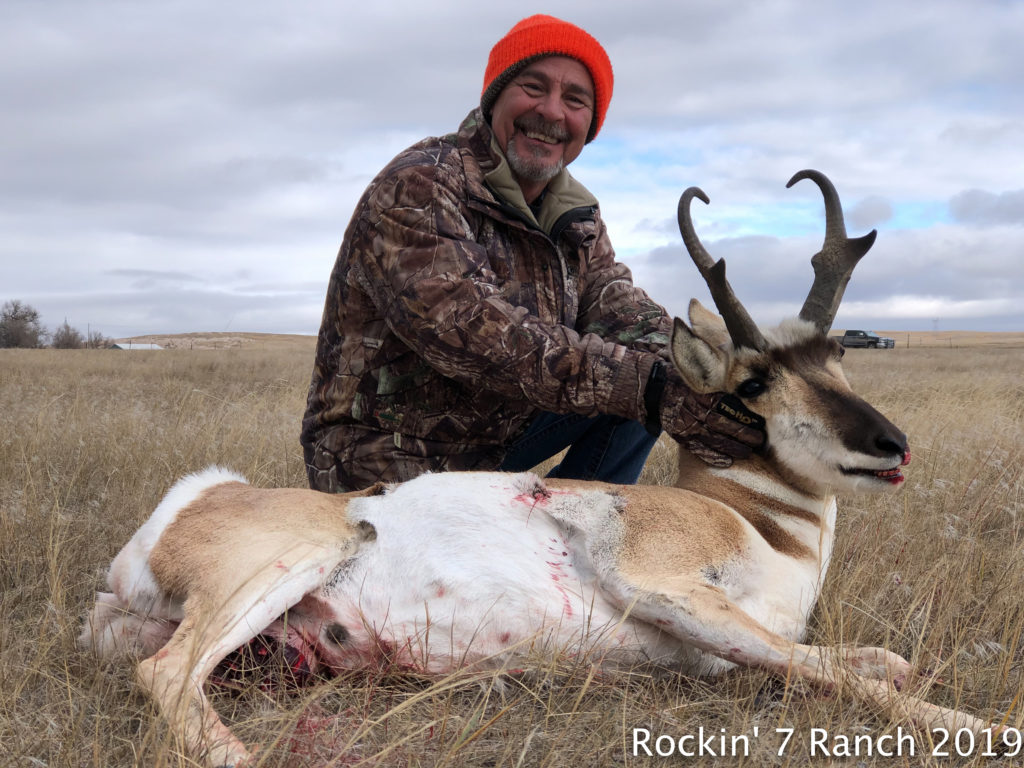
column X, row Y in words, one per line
column 454, row 313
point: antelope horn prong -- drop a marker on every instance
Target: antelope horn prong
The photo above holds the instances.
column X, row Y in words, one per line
column 742, row 329
column 834, row 263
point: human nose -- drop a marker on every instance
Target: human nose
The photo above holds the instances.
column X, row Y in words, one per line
column 550, row 106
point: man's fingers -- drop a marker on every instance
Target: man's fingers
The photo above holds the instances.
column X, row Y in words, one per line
column 753, row 437
column 708, row 455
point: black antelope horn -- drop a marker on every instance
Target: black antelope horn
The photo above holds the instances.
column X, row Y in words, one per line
column 834, row 263
column 742, row 330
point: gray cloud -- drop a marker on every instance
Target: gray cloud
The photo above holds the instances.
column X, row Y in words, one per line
column 146, row 279
column 909, row 279
column 226, row 144
column 870, row 212
column 976, row 206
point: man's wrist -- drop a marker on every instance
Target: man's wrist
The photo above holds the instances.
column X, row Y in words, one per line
column 653, row 393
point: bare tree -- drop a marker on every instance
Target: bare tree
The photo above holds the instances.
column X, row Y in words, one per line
column 66, row 337
column 96, row 340
column 20, row 326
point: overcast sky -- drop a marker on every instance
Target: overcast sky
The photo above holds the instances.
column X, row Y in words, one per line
column 184, row 165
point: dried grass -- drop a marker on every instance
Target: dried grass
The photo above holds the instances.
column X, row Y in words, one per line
column 93, row 438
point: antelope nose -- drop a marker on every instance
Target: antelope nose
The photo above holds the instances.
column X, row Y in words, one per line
column 896, row 443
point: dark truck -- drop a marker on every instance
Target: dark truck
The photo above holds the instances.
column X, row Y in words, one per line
column 867, row 339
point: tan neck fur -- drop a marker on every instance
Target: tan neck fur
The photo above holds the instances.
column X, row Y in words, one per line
column 790, row 519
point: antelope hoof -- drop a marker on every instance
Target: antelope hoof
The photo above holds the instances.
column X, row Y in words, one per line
column 880, row 664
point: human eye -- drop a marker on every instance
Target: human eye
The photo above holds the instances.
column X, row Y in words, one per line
column 577, row 102
column 531, row 87
column 576, row 98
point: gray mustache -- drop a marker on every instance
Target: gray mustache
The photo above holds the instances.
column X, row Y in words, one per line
column 540, row 125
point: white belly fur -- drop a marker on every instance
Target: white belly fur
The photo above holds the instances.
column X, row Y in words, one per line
column 475, row 571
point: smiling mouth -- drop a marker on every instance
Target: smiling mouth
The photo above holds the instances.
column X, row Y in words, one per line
column 541, row 137
column 537, row 129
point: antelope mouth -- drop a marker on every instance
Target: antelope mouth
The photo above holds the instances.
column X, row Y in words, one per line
column 893, row 475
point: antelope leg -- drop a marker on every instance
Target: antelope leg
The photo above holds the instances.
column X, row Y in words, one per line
column 220, row 616
column 706, row 619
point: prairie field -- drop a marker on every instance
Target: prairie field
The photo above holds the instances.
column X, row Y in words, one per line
column 92, row 439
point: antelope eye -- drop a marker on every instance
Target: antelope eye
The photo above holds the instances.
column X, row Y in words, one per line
column 751, row 388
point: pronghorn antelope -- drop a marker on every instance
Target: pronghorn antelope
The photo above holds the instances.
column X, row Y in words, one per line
column 463, row 569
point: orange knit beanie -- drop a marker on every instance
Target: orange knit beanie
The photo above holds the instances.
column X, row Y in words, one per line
column 538, row 36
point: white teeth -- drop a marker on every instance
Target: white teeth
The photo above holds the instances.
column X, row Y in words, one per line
column 541, row 137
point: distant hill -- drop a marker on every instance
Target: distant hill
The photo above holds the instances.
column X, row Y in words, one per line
column 269, row 341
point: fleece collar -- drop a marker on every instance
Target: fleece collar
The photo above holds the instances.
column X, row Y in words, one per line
column 563, row 193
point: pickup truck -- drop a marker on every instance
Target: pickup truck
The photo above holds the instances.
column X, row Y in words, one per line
column 867, row 339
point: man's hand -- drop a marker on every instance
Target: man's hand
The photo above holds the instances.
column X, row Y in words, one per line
column 716, row 428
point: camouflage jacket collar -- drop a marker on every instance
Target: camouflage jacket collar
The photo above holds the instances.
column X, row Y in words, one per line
column 495, row 184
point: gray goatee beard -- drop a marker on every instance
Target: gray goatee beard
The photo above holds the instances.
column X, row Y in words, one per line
column 530, row 165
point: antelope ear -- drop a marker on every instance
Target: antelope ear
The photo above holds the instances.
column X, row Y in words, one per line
column 708, row 325
column 701, row 365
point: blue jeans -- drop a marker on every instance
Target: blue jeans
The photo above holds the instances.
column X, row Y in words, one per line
column 607, row 448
